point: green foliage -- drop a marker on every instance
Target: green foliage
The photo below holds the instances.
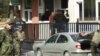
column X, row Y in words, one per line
column 4, row 8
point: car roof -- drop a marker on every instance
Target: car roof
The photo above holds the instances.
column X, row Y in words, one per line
column 68, row 33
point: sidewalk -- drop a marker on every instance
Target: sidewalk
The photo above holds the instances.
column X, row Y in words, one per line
column 27, row 48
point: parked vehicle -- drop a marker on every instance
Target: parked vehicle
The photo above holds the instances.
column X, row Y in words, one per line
column 62, row 44
column 86, row 41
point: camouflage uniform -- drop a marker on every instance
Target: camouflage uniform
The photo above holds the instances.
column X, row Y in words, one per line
column 18, row 39
column 18, row 34
column 6, row 46
column 17, row 23
column 95, row 42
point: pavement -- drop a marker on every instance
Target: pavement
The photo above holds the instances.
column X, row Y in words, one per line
column 27, row 48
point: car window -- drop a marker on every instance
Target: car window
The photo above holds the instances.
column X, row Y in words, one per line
column 62, row 39
column 52, row 39
column 74, row 37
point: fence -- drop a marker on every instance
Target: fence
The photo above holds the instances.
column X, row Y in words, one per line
column 44, row 29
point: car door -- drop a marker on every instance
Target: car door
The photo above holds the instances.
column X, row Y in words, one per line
column 61, row 44
column 49, row 45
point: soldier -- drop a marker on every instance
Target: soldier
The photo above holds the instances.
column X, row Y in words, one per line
column 18, row 40
column 6, row 47
column 18, row 21
column 95, row 42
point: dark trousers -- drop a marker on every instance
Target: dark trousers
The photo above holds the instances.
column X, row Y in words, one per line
column 52, row 28
column 61, row 27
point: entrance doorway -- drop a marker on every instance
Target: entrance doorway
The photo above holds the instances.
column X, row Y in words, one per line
column 48, row 8
column 64, row 4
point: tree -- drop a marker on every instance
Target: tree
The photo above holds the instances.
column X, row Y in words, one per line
column 4, row 9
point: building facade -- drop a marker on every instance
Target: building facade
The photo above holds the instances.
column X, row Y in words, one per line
column 33, row 10
column 81, row 10
column 84, row 10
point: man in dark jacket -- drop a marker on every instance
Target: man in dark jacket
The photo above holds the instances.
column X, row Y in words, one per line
column 60, row 21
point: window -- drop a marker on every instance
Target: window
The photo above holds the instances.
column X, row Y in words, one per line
column 99, row 9
column 48, row 8
column 52, row 39
column 62, row 39
column 89, row 10
column 40, row 3
column 64, row 3
column 80, row 11
column 28, row 10
column 74, row 37
column 27, row 4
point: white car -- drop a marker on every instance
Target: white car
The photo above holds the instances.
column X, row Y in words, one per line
column 62, row 44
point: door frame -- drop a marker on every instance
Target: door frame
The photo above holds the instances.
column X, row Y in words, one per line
column 97, row 11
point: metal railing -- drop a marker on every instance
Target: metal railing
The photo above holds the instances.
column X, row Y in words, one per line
column 43, row 31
